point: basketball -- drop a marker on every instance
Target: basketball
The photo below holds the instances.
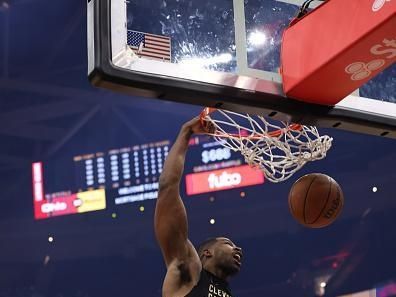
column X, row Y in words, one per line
column 315, row 200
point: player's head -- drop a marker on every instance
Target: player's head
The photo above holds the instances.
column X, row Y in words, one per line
column 221, row 254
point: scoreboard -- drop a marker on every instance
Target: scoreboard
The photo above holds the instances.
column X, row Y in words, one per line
column 127, row 174
column 117, row 176
column 217, row 168
column 121, row 167
column 102, row 180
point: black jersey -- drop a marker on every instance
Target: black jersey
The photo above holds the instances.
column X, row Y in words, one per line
column 210, row 286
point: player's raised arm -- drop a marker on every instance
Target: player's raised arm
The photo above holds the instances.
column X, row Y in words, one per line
column 170, row 223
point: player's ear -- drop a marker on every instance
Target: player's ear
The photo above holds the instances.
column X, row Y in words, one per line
column 207, row 253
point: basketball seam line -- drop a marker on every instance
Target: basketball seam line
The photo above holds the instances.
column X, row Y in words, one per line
column 341, row 202
column 305, row 199
column 291, row 200
column 327, row 200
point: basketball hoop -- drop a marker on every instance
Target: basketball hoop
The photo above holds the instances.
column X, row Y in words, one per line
column 278, row 149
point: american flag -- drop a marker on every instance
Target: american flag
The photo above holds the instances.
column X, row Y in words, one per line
column 151, row 46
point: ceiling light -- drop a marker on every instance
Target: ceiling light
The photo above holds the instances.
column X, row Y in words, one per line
column 4, row 4
column 257, row 38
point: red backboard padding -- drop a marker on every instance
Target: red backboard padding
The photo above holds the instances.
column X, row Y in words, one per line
column 336, row 48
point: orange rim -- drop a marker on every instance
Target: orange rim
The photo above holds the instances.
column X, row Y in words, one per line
column 276, row 133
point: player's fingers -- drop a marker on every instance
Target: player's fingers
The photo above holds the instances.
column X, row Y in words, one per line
column 207, row 127
column 210, row 128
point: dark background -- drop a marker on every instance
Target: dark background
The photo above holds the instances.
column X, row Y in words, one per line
column 49, row 112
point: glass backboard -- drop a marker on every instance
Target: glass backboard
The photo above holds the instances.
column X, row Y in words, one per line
column 219, row 53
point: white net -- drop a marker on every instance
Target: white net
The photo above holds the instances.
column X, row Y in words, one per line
column 278, row 149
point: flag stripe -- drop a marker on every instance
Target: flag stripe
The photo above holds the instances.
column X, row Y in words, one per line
column 147, row 50
column 158, row 38
column 165, row 45
column 149, row 54
column 155, row 50
column 154, row 55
